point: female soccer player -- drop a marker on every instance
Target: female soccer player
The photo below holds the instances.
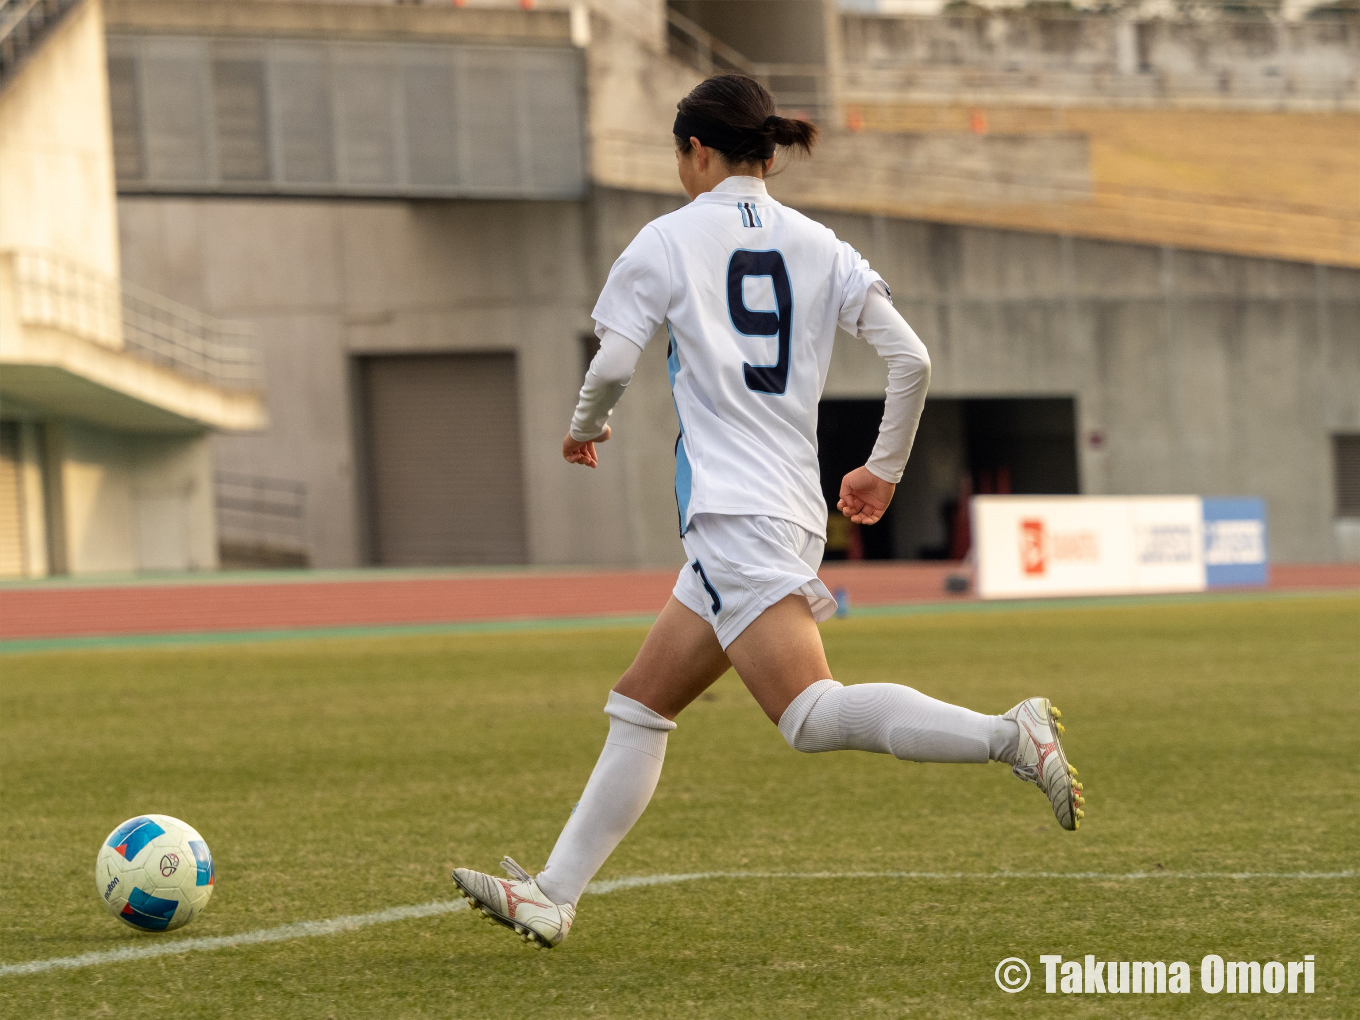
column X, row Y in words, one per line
column 751, row 293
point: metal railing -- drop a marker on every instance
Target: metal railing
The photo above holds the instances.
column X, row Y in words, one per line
column 57, row 292
column 1022, row 55
column 258, row 512
column 701, row 49
column 23, row 23
column 886, row 83
column 797, row 88
column 261, row 522
column 62, row 294
column 176, row 336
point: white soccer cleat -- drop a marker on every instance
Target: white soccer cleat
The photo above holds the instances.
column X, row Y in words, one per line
column 519, row 904
column 1041, row 761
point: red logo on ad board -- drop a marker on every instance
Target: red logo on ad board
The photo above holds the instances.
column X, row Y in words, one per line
column 1033, row 547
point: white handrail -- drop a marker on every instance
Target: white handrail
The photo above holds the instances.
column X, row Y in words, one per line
column 34, row 16
column 61, row 293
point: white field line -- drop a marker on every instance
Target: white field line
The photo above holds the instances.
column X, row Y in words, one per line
column 638, row 881
column 283, row 933
column 349, row 922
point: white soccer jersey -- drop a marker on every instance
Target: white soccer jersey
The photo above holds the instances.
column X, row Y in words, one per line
column 751, row 292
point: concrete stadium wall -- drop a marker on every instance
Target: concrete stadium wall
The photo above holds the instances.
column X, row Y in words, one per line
column 131, row 502
column 1192, row 373
column 327, row 281
column 100, row 499
column 1220, row 60
column 56, row 149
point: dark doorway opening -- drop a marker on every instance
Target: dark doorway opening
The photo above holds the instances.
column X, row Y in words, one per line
column 965, row 446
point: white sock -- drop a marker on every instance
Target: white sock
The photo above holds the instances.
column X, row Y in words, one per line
column 615, row 797
column 897, row 720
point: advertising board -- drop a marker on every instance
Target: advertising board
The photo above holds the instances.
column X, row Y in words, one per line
column 1103, row 545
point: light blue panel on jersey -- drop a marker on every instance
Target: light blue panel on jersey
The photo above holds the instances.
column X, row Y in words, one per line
column 1234, row 542
column 683, row 474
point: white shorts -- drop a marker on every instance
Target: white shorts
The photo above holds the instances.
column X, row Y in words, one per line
column 739, row 566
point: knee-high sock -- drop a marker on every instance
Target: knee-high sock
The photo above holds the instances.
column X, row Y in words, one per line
column 615, row 797
column 897, row 720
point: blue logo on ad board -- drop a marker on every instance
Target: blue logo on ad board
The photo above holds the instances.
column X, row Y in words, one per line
column 1235, row 551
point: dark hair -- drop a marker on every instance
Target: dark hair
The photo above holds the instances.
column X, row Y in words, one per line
column 739, row 115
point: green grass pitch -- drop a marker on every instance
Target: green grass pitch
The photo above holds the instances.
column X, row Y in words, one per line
column 346, row 776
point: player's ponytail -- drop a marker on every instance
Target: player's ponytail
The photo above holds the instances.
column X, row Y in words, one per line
column 799, row 134
column 736, row 115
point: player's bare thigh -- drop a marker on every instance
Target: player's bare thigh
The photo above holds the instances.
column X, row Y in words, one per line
column 678, row 661
column 780, row 654
column 777, row 657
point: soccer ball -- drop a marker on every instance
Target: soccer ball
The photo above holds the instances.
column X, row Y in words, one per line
column 154, row 873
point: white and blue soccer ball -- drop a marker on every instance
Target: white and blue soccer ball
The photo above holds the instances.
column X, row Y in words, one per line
column 154, row 873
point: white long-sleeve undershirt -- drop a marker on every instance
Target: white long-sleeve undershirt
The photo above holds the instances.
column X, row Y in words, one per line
column 612, row 368
column 610, row 372
column 908, row 379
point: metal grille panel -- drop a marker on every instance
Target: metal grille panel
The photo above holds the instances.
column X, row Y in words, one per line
column 432, row 149
column 367, row 117
column 171, row 81
column 242, row 116
column 301, row 94
column 493, row 163
column 553, row 120
column 127, row 120
column 239, row 112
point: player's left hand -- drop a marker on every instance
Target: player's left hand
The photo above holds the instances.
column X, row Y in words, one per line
column 864, row 496
column 575, row 452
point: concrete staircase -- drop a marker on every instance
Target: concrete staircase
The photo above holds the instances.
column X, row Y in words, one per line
column 23, row 26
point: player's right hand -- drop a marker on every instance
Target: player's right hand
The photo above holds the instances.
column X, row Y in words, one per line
column 576, row 452
column 864, row 496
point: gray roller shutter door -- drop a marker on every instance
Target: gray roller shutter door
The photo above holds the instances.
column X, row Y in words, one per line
column 1346, row 457
column 444, row 452
column 11, row 504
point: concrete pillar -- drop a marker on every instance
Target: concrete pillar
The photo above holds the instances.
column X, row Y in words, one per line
column 56, row 147
column 54, row 497
column 1125, row 47
column 119, row 502
column 1093, row 458
column 34, row 507
column 833, row 92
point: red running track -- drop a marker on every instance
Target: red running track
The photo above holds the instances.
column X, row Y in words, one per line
column 243, row 604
